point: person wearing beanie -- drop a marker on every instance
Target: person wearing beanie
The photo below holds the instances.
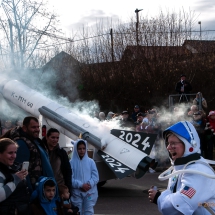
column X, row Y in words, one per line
column 125, row 122
column 191, row 187
column 183, row 87
column 135, row 112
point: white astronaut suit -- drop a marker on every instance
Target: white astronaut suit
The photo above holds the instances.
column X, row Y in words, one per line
column 191, row 187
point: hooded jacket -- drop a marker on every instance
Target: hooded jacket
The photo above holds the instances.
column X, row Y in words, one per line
column 40, row 204
column 187, row 192
column 83, row 171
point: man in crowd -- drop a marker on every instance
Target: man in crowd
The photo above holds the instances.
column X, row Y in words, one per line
column 125, row 122
column 134, row 114
column 31, row 149
column 183, row 87
column 139, row 126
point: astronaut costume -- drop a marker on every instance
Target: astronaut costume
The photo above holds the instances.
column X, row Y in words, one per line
column 83, row 171
column 190, row 191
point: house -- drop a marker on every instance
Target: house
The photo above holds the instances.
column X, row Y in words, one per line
column 62, row 74
column 200, row 46
column 154, row 52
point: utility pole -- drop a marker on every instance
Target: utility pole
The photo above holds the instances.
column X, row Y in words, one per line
column 137, row 25
column 111, row 36
column 200, row 32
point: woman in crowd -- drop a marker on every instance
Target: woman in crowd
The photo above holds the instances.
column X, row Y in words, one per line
column 14, row 196
column 58, row 158
column 84, row 179
column 191, row 187
column 200, row 102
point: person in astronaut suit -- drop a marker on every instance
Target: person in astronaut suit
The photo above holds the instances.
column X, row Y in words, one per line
column 190, row 190
column 84, row 179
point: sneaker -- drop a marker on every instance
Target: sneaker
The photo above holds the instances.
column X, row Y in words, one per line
column 151, row 170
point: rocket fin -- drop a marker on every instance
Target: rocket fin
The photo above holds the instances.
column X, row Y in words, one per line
column 142, row 141
column 118, row 168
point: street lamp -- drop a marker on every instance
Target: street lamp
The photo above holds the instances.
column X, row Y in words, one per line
column 137, row 24
column 200, row 25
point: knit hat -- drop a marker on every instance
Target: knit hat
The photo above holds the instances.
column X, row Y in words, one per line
column 212, row 112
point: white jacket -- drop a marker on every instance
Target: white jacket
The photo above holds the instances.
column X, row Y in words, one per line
column 192, row 190
column 187, row 192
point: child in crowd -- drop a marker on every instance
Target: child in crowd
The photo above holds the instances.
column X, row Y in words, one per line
column 45, row 199
column 84, row 179
column 69, row 209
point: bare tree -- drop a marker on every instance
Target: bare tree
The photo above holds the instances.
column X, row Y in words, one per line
column 27, row 26
column 144, row 74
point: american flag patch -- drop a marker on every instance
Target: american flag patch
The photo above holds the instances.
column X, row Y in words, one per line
column 188, row 191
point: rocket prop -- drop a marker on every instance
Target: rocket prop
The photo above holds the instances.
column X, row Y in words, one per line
column 118, row 153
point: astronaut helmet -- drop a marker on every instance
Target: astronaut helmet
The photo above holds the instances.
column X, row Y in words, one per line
column 186, row 132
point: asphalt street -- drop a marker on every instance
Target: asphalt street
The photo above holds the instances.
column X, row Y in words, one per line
column 128, row 196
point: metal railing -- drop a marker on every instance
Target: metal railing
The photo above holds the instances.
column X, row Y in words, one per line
column 185, row 97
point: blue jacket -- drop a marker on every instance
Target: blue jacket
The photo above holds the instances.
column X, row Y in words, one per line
column 40, row 204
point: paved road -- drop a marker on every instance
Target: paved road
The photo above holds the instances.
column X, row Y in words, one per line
column 128, row 196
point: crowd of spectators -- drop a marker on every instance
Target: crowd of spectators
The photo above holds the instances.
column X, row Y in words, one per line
column 155, row 121
column 6, row 124
column 50, row 168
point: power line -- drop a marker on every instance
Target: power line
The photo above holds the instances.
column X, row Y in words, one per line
column 58, row 37
column 85, row 38
column 69, row 40
column 165, row 32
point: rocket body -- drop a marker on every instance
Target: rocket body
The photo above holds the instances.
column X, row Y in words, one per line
column 122, row 149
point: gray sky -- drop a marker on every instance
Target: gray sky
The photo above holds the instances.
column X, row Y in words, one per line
column 74, row 16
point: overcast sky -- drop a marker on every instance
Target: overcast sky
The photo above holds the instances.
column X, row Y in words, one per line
column 75, row 14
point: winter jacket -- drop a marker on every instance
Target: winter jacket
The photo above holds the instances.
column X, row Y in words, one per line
column 31, row 150
column 188, row 192
column 65, row 166
column 187, row 87
column 40, row 205
column 14, row 195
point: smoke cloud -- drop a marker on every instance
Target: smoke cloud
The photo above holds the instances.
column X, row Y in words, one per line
column 44, row 82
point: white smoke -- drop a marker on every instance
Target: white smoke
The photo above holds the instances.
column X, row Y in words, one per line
column 86, row 109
